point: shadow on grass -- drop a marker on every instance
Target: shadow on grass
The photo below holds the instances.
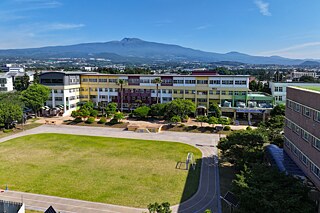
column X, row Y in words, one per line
column 192, row 181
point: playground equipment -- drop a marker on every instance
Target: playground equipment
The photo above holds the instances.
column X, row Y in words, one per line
column 190, row 160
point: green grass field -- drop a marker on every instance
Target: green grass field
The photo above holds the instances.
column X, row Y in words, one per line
column 315, row 88
column 110, row 170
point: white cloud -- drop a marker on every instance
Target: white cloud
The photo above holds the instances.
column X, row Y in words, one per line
column 62, row 26
column 203, row 27
column 304, row 50
column 263, row 7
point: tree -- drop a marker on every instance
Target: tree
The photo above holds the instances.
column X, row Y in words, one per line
column 175, row 119
column 118, row 116
column 111, row 109
column 157, row 81
column 215, row 110
column 212, row 120
column 307, row 79
column 159, row 208
column 35, row 96
column 273, row 128
column 270, row 191
column 157, row 109
column 141, row 112
column 201, row 119
column 36, row 77
column 278, row 110
column 121, row 83
column 179, row 107
column 243, row 147
column 21, row 83
column 10, row 112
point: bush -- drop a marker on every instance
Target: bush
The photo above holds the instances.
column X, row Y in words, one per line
column 141, row 112
column 78, row 119
column 175, row 119
column 90, row 120
column 102, row 120
column 227, row 128
column 94, row 113
column 7, row 130
column 113, row 121
column 224, row 120
column 185, row 118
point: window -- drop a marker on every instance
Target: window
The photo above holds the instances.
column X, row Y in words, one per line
column 186, row 91
column 181, row 91
column 297, row 107
column 236, row 92
column 167, row 81
column 178, row 81
column 315, row 170
column 289, row 124
column 190, row 81
column 317, row 116
column 316, row 143
column 304, row 159
column 193, row 92
column 145, row 81
column 217, row 92
column 238, row 82
column 214, row 81
column 227, row 82
column 306, row 112
column 103, row 80
column 93, row 80
column 112, row 80
column 223, row 92
column 164, row 91
column 175, row 91
column 305, row 135
column 243, row 93
column 289, row 104
column 58, row 98
column 276, row 89
column 230, row 92
column 211, row 92
column 84, row 80
column 296, row 129
column 202, row 82
column 280, row 89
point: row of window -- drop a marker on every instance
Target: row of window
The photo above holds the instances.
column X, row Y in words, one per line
column 305, row 110
column 303, row 158
column 168, row 81
column 278, row 89
column 305, row 135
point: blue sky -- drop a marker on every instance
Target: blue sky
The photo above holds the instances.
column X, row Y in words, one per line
column 289, row 28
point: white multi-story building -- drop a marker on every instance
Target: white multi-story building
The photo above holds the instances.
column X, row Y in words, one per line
column 6, row 83
column 279, row 89
column 11, row 68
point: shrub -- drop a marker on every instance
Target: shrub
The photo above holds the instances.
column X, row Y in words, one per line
column 141, row 112
column 227, row 128
column 7, row 130
column 90, row 120
column 185, row 118
column 194, row 127
column 175, row 119
column 94, row 113
column 113, row 121
column 78, row 119
column 102, row 120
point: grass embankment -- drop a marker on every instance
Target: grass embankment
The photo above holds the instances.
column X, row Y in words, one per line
column 110, row 170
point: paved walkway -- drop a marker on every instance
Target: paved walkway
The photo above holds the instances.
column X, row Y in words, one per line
column 204, row 198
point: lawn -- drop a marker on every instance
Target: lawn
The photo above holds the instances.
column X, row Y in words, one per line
column 19, row 128
column 315, row 88
column 110, row 170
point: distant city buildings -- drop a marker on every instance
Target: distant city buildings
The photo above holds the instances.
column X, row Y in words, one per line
column 11, row 68
column 302, row 136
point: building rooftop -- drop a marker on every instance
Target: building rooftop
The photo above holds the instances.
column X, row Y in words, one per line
column 313, row 88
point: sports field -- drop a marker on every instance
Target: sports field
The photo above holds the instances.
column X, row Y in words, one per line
column 110, row 170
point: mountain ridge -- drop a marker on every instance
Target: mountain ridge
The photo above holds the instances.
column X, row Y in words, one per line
column 138, row 49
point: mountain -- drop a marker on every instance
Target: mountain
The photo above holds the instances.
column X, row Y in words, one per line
column 134, row 49
column 310, row 64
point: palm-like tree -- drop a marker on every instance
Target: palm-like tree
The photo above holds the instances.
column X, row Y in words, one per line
column 121, row 83
column 157, row 81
